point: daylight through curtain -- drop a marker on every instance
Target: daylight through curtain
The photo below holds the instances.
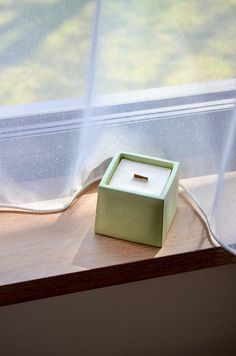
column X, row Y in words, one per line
column 61, row 59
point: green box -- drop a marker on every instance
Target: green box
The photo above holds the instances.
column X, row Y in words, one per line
column 134, row 216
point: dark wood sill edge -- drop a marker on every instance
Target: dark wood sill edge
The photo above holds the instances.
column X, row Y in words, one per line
column 113, row 275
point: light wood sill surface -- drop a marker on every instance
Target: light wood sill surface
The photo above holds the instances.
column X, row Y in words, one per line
column 48, row 255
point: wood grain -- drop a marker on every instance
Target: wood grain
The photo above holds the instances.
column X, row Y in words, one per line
column 48, row 255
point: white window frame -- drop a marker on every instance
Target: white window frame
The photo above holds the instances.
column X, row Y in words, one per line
column 209, row 100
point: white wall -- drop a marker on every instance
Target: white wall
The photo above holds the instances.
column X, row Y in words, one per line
column 186, row 314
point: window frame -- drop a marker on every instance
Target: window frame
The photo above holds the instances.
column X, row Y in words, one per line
column 118, row 108
column 50, row 125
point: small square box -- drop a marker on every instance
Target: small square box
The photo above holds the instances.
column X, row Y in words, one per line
column 137, row 199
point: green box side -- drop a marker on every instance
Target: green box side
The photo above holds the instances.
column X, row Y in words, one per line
column 129, row 216
column 171, row 201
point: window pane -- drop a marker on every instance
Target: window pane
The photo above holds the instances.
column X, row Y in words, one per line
column 44, row 46
column 156, row 43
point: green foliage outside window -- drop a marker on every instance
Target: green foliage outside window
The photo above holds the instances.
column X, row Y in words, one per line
column 44, row 46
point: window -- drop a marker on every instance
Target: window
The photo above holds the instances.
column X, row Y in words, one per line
column 164, row 85
column 142, row 44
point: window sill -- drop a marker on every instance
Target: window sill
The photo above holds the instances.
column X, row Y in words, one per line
column 49, row 255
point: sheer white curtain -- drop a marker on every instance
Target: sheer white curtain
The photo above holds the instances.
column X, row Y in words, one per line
column 96, row 77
